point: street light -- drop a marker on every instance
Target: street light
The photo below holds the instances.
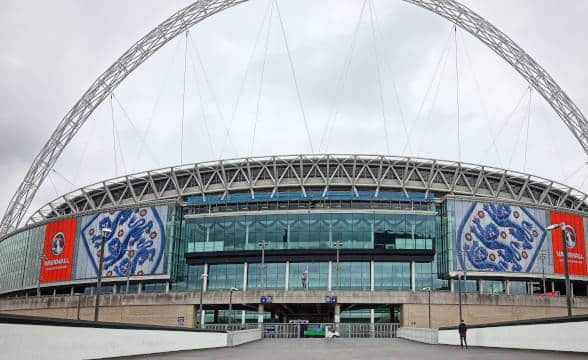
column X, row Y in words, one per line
column 543, row 255
column 202, row 278
column 564, row 229
column 338, row 245
column 130, row 254
column 231, row 304
column 41, row 258
column 429, row 290
column 262, row 244
column 105, row 232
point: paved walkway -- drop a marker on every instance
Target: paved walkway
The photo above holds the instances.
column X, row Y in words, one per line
column 361, row 349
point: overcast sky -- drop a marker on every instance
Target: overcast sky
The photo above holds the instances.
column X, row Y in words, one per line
column 53, row 50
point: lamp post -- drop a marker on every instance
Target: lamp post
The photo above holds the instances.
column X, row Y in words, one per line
column 105, row 233
column 429, row 290
column 202, row 278
column 338, row 245
column 543, row 254
column 459, row 295
column 130, row 254
column 262, row 244
column 564, row 230
column 231, row 304
column 41, row 258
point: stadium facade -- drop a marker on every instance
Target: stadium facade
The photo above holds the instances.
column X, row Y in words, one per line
column 318, row 238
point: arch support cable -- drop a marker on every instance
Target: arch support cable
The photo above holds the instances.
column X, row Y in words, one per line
column 184, row 19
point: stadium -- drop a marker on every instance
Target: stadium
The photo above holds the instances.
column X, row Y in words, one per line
column 284, row 241
column 350, row 238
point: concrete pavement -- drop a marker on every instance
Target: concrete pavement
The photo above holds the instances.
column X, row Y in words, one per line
column 361, row 349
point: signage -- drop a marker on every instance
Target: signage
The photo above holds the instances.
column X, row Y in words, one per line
column 576, row 244
column 298, row 321
column 58, row 251
column 330, row 299
column 266, row 300
column 181, row 320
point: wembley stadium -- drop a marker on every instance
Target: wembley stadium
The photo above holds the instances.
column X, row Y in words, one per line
column 320, row 238
column 277, row 242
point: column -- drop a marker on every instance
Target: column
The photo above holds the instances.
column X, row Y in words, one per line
column 71, row 292
column 139, row 288
column 451, row 285
column 337, row 318
column 552, row 286
column 330, row 277
column 372, row 275
column 260, row 315
column 287, row 280
column 372, row 322
column 242, row 317
column 507, row 287
column 205, row 282
column 412, row 276
column 167, row 287
column 114, row 289
column 245, row 270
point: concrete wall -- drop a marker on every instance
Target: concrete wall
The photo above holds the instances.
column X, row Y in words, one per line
column 63, row 339
column 428, row 336
column 164, row 309
column 556, row 336
column 417, row 315
column 243, row 336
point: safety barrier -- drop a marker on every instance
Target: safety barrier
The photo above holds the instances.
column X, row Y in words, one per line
column 346, row 330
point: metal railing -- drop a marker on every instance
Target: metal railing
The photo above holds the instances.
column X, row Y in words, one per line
column 346, row 330
column 231, row 327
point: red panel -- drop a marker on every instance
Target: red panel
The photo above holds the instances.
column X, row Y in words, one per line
column 58, row 251
column 577, row 254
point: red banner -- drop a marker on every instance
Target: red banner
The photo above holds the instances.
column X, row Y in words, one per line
column 576, row 244
column 58, row 251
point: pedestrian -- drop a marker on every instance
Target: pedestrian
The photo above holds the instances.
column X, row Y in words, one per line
column 463, row 332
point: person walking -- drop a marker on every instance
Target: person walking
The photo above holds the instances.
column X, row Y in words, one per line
column 463, row 332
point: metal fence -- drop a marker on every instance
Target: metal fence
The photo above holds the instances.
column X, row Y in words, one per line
column 230, row 327
column 346, row 330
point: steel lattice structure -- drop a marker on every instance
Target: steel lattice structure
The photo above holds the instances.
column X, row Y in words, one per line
column 306, row 173
column 182, row 20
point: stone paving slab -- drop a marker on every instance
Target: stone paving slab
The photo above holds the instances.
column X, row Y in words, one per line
column 361, row 349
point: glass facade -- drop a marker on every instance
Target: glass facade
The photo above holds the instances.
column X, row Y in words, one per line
column 309, row 231
column 392, row 276
column 225, row 276
column 20, row 258
column 273, row 276
column 312, row 276
column 352, row 276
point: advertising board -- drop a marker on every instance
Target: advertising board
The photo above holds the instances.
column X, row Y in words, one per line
column 498, row 237
column 135, row 246
column 58, row 251
column 575, row 242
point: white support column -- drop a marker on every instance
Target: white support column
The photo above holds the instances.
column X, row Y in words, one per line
column 329, row 281
column 287, row 280
column 337, row 318
column 167, row 287
column 71, row 291
column 412, row 276
column 260, row 313
column 246, row 235
column 245, row 272
column 372, row 323
column 242, row 317
column 451, row 285
column 507, row 287
column 205, row 282
column 372, row 275
column 139, row 288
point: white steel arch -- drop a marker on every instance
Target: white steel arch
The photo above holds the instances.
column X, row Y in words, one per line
column 182, row 20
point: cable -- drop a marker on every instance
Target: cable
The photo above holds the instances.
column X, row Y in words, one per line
column 298, row 96
column 183, row 101
column 457, row 96
column 394, row 87
column 503, row 126
column 259, row 93
column 516, row 144
column 214, row 97
column 113, row 138
column 64, row 178
column 339, row 85
column 527, row 134
column 136, row 130
column 481, row 98
column 57, row 193
column 435, row 97
column 379, row 76
column 142, row 141
column 429, row 87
